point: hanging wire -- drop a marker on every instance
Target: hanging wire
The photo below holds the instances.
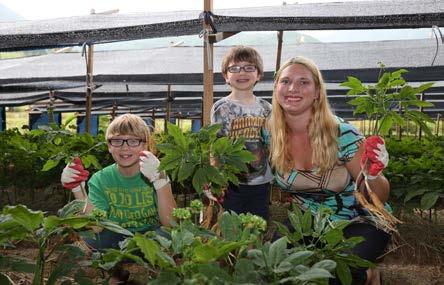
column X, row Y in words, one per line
column 437, row 33
column 84, row 53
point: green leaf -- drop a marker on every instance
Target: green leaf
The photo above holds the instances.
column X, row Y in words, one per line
column 214, row 175
column 148, row 247
column 333, row 236
column 383, row 81
column 76, row 222
column 169, row 162
column 399, row 72
column 277, row 251
column 306, row 222
column 424, row 87
column 57, row 140
column 205, row 253
column 387, row 122
column 413, row 193
column 164, row 260
column 313, row 274
column 429, row 200
column 199, row 179
column 89, row 160
column 344, row 273
column 419, row 103
column 181, row 239
column 168, row 148
column 299, row 257
column 353, row 83
column 50, row 164
column 244, row 272
column 111, row 226
column 232, row 178
column 29, row 219
column 230, row 226
column 185, row 171
column 178, row 136
column 214, row 272
column 326, row 264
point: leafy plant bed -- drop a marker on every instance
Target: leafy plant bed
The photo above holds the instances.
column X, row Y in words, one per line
column 415, row 258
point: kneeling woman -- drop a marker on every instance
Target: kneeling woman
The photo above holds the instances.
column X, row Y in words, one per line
column 317, row 157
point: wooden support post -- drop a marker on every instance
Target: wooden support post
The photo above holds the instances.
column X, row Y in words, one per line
column 153, row 116
column 364, row 123
column 50, row 107
column 280, row 36
column 169, row 100
column 2, row 121
column 208, row 76
column 421, row 97
column 89, row 88
column 399, row 126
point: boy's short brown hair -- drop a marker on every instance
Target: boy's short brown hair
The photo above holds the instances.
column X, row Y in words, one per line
column 128, row 124
column 243, row 53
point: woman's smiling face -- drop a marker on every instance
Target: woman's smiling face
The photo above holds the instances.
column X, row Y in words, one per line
column 296, row 89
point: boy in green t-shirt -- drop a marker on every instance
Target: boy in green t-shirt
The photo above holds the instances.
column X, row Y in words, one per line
column 132, row 192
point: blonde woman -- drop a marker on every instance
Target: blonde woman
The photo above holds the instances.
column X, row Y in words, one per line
column 317, row 158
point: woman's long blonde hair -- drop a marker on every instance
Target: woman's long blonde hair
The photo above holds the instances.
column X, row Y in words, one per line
column 322, row 128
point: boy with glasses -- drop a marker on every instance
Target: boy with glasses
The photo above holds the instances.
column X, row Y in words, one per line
column 242, row 114
column 131, row 192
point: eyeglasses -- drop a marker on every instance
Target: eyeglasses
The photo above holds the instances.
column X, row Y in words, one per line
column 129, row 142
column 237, row 68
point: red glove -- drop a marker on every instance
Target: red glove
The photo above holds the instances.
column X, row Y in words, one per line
column 375, row 157
column 74, row 174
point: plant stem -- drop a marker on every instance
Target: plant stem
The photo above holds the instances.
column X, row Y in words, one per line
column 40, row 263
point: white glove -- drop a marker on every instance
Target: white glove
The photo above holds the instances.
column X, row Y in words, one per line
column 149, row 165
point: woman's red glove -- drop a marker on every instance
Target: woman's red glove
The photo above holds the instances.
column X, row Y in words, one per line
column 375, row 157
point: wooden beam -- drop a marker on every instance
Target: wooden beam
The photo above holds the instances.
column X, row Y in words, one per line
column 215, row 38
column 280, row 36
column 168, row 108
column 208, row 75
column 89, row 88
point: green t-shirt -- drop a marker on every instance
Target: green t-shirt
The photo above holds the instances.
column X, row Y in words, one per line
column 128, row 201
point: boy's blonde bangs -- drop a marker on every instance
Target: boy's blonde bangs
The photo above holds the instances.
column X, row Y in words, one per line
column 128, row 125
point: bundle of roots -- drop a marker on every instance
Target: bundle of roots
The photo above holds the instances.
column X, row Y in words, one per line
column 375, row 207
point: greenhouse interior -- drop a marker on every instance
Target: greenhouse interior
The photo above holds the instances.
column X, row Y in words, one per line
column 64, row 80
